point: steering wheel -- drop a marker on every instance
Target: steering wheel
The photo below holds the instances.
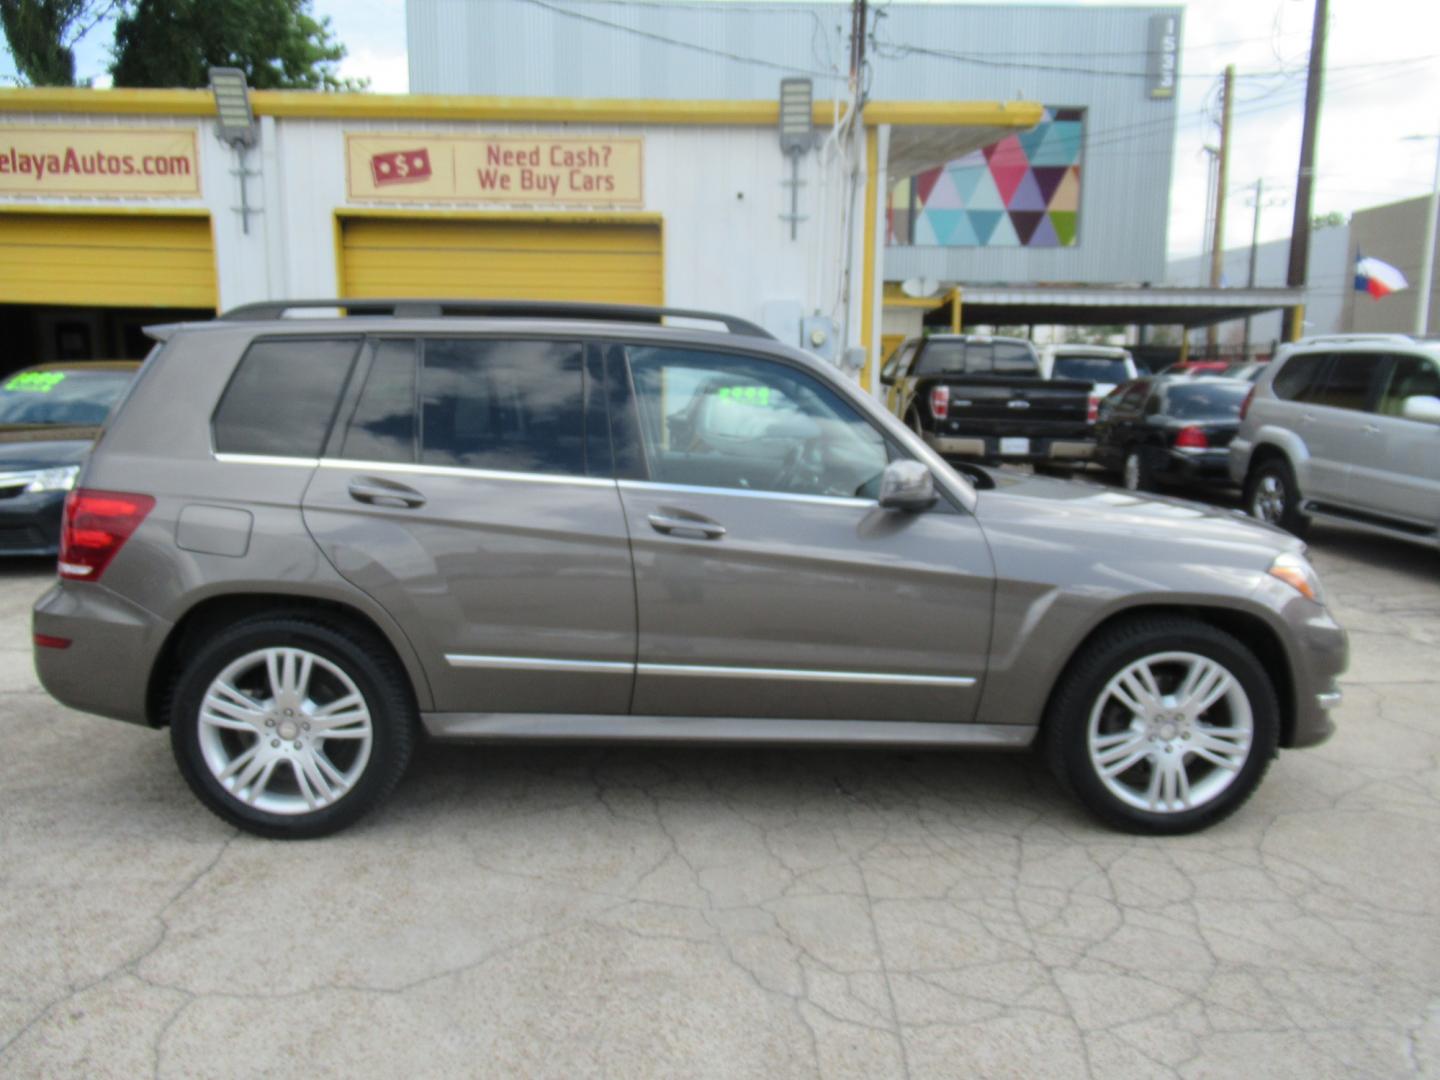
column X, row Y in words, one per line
column 796, row 473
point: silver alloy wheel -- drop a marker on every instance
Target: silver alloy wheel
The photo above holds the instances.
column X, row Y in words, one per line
column 285, row 731
column 1268, row 502
column 1131, row 474
column 1170, row 732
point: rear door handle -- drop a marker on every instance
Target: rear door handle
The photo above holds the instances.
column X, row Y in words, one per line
column 378, row 492
column 668, row 523
column 1372, row 429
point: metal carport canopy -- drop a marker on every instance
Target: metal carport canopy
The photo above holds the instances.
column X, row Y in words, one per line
column 1047, row 305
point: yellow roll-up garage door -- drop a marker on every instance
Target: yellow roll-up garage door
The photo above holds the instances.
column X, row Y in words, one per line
column 509, row 260
column 107, row 260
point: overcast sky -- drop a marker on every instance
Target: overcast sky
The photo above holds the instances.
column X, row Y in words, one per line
column 1383, row 83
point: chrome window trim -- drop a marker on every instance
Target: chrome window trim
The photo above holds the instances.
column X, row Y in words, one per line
column 420, row 469
column 537, row 663
column 784, row 496
column 265, row 459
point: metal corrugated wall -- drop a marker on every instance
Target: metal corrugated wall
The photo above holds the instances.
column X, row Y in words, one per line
column 1090, row 57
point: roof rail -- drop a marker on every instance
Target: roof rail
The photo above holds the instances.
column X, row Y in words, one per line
column 1340, row 339
column 495, row 309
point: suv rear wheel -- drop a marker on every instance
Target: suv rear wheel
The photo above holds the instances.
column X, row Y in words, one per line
column 1272, row 496
column 1163, row 725
column 291, row 728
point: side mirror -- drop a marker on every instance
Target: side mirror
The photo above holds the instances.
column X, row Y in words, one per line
column 887, row 376
column 907, row 486
column 1422, row 407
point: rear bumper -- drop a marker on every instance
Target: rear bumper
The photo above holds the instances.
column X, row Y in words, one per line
column 30, row 524
column 113, row 646
column 989, row 448
column 1206, row 467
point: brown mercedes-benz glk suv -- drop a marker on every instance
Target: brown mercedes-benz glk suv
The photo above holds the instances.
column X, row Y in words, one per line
column 300, row 543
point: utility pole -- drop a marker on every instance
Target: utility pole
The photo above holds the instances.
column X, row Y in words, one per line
column 855, row 148
column 1217, row 246
column 1254, row 252
column 1305, row 178
column 1427, row 257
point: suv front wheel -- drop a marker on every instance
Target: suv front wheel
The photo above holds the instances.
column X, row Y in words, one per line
column 1163, row 725
column 1272, row 496
column 291, row 728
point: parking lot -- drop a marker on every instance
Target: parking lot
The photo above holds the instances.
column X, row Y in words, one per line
column 633, row 912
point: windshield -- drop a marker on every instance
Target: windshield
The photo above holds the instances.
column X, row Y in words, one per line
column 1206, row 401
column 977, row 358
column 81, row 398
column 1100, row 369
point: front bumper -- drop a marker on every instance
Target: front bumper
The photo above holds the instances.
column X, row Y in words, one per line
column 1319, row 652
column 995, row 448
column 30, row 524
column 113, row 645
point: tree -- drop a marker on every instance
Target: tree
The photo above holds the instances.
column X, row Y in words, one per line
column 279, row 44
column 42, row 35
column 1332, row 220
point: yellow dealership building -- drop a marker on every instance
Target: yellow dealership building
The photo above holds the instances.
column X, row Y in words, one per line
column 121, row 208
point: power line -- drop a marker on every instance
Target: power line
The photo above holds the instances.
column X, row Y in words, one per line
column 791, row 69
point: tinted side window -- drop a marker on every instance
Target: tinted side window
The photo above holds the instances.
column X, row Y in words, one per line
column 1133, row 396
column 1294, row 381
column 383, row 427
column 1347, row 385
column 282, row 397
column 516, row 406
column 895, row 367
column 1410, row 376
column 713, row 419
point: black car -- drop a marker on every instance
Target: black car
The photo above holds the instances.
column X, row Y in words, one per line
column 49, row 417
column 1170, row 428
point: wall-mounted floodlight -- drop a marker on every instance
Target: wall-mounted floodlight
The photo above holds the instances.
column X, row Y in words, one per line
column 797, row 136
column 232, row 106
column 797, row 128
column 235, row 125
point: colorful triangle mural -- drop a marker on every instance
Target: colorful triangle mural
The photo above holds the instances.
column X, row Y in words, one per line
column 1022, row 191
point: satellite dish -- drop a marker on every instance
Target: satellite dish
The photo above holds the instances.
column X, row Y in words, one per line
column 920, row 288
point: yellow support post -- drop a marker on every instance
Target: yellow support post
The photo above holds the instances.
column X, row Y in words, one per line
column 955, row 303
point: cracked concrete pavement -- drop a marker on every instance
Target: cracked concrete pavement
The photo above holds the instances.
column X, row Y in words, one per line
column 654, row 912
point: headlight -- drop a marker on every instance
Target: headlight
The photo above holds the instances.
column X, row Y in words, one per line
column 1296, row 571
column 61, row 478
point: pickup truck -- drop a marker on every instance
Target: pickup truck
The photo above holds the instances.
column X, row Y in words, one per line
column 983, row 398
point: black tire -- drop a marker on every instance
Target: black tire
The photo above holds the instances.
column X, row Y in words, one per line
column 1137, row 476
column 1274, row 474
column 1065, row 741
column 368, row 664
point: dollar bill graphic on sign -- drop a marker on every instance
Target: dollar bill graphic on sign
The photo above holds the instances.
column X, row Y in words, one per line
column 400, row 167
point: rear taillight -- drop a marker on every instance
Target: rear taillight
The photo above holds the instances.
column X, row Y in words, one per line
column 96, row 526
column 1245, row 405
column 1093, row 412
column 1192, row 438
column 940, row 402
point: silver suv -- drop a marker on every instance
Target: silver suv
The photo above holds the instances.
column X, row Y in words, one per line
column 1345, row 428
column 300, row 543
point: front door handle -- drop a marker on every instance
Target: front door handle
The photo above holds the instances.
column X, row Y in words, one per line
column 669, row 522
column 1372, row 429
column 380, row 492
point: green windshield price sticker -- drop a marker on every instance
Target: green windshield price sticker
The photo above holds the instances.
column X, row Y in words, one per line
column 751, row 395
column 36, row 382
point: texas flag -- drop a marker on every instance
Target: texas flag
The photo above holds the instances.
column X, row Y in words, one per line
column 1377, row 278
